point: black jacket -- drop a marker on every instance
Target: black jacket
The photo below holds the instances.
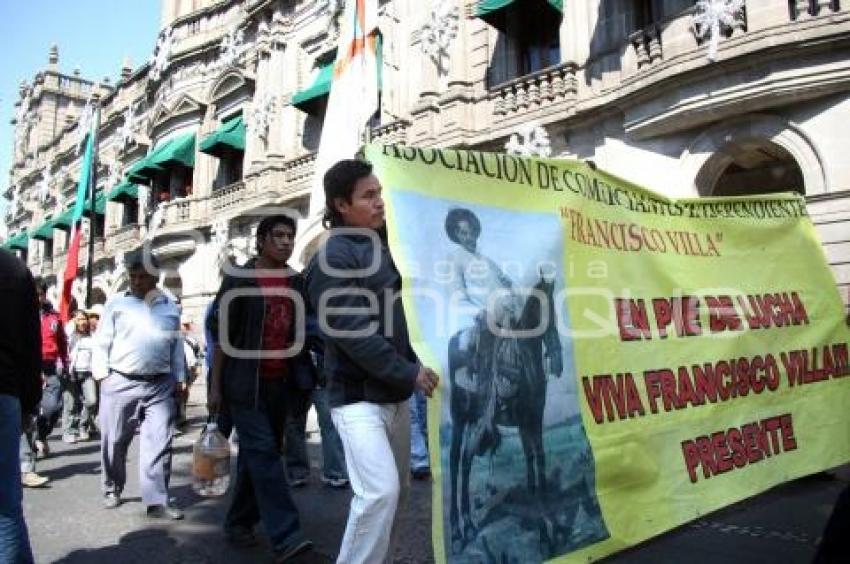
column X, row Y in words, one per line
column 20, row 333
column 368, row 356
column 236, row 320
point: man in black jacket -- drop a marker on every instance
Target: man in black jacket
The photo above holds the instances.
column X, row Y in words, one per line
column 370, row 366
column 255, row 321
column 20, row 393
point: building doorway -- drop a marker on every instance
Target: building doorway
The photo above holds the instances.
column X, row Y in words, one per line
column 754, row 166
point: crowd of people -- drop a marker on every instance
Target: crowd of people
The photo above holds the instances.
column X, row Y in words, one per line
column 120, row 369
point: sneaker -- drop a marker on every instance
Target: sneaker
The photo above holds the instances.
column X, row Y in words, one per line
column 334, row 482
column 111, row 500
column 70, row 439
column 84, row 436
column 42, row 448
column 287, row 554
column 33, row 480
column 240, row 537
column 165, row 511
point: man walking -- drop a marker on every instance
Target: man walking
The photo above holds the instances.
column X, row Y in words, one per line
column 138, row 355
column 254, row 323
column 370, row 367
column 54, row 363
column 20, row 392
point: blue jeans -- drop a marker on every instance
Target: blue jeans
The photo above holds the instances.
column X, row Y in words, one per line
column 51, row 406
column 261, row 492
column 295, row 430
column 14, row 539
column 333, row 456
column 419, row 433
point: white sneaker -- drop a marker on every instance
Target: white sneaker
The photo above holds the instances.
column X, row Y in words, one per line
column 70, row 439
column 33, row 480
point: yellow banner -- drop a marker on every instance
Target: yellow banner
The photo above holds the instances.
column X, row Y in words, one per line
column 614, row 363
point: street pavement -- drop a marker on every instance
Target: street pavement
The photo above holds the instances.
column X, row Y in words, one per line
column 68, row 524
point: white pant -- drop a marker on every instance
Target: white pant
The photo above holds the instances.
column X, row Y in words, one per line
column 376, row 440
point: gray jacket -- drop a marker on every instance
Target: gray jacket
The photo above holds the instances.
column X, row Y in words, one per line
column 368, row 356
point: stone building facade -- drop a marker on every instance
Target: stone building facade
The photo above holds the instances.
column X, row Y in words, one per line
column 651, row 90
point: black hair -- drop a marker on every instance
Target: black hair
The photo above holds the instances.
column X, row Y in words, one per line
column 268, row 223
column 40, row 284
column 455, row 216
column 339, row 182
column 140, row 259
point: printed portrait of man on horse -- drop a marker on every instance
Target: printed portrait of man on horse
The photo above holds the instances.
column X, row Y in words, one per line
column 504, row 352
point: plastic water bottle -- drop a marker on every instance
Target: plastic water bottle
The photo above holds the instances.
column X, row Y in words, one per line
column 211, row 463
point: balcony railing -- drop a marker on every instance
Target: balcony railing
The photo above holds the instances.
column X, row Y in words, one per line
column 124, row 239
column 646, row 44
column 300, row 168
column 227, row 197
column 812, row 8
column 391, row 133
column 178, row 211
column 543, row 88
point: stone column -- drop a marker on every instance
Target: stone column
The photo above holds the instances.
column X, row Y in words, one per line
column 206, row 165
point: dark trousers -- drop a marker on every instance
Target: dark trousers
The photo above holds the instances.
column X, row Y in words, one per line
column 51, row 405
column 261, row 492
column 295, row 430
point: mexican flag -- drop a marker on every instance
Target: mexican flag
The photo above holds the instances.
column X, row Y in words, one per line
column 84, row 190
column 354, row 92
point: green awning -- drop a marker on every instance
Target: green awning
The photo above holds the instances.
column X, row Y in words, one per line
column 311, row 100
column 526, row 12
column 64, row 220
column 123, row 192
column 19, row 241
column 230, row 136
column 179, row 150
column 142, row 171
column 44, row 231
column 99, row 204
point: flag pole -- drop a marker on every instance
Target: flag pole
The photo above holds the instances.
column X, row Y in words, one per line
column 92, row 211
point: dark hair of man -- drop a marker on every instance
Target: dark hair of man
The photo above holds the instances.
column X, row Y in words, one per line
column 268, row 224
column 138, row 259
column 339, row 182
column 41, row 284
column 455, row 216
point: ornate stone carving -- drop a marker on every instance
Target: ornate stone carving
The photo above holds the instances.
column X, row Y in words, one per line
column 113, row 177
column 438, row 33
column 44, row 185
column 128, row 129
column 84, row 124
column 231, row 48
column 162, row 53
column 529, row 140
column 259, row 116
column 714, row 17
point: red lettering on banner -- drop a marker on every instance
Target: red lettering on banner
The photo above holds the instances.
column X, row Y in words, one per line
column 612, row 397
column 632, row 319
column 722, row 315
column 734, row 448
column 816, row 365
column 681, row 312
